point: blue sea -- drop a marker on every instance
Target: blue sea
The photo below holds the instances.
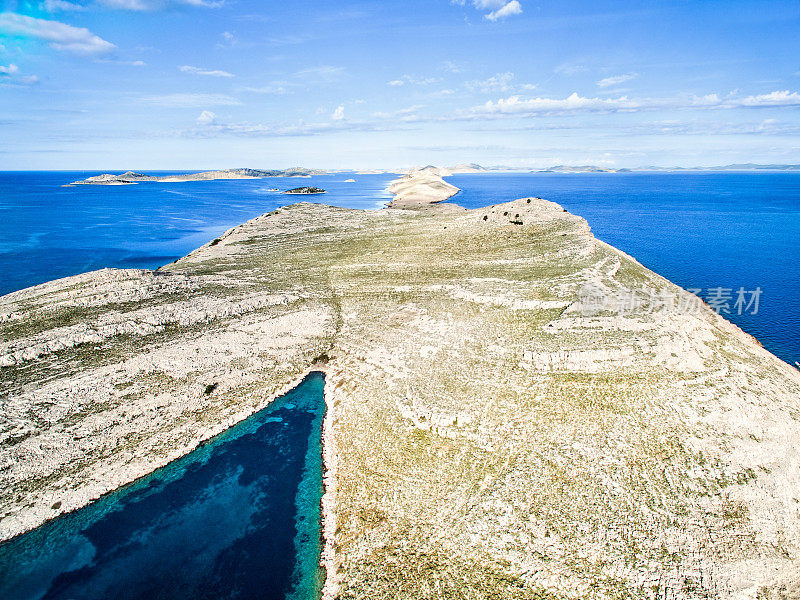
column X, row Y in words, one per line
column 48, row 231
column 703, row 231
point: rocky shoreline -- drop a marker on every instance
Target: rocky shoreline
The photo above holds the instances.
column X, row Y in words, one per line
column 488, row 430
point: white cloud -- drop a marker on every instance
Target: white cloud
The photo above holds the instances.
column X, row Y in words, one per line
column 142, row 5
column 228, row 39
column 617, row 79
column 452, row 67
column 128, row 4
column 62, row 6
column 126, row 63
column 61, row 36
column 199, row 71
column 10, row 77
column 280, row 129
column 764, row 127
column 515, row 107
column 410, row 109
column 569, row 69
column 496, row 83
column 488, row 4
column 781, row 98
column 500, row 9
column 189, row 100
column 290, row 39
column 206, row 118
column 521, row 106
column 203, row 3
column 276, row 89
column 408, row 114
column 411, row 80
column 324, row 72
column 512, row 8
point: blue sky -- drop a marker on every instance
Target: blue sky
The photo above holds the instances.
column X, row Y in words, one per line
column 183, row 84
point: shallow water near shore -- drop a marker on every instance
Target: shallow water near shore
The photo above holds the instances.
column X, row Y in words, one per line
column 237, row 518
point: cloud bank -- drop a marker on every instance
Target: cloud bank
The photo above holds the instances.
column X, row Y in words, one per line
column 498, row 9
column 617, row 79
column 133, row 5
column 507, row 10
column 521, row 106
column 189, row 100
column 10, row 77
column 60, row 36
column 207, row 72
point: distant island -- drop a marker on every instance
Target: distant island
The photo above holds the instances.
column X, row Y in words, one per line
column 581, row 169
column 305, row 191
column 596, row 169
column 131, row 177
column 733, row 167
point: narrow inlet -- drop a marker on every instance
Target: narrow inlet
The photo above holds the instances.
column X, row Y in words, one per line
column 237, row 518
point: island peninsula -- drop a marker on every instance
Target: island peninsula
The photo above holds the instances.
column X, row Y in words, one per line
column 491, row 432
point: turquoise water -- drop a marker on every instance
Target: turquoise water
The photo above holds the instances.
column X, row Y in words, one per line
column 238, row 518
column 48, row 231
column 699, row 230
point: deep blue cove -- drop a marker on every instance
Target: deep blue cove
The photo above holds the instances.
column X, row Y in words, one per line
column 236, row 518
column 699, row 230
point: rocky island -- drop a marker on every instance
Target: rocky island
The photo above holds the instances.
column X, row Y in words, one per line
column 421, row 188
column 305, row 191
column 131, row 177
column 491, row 432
